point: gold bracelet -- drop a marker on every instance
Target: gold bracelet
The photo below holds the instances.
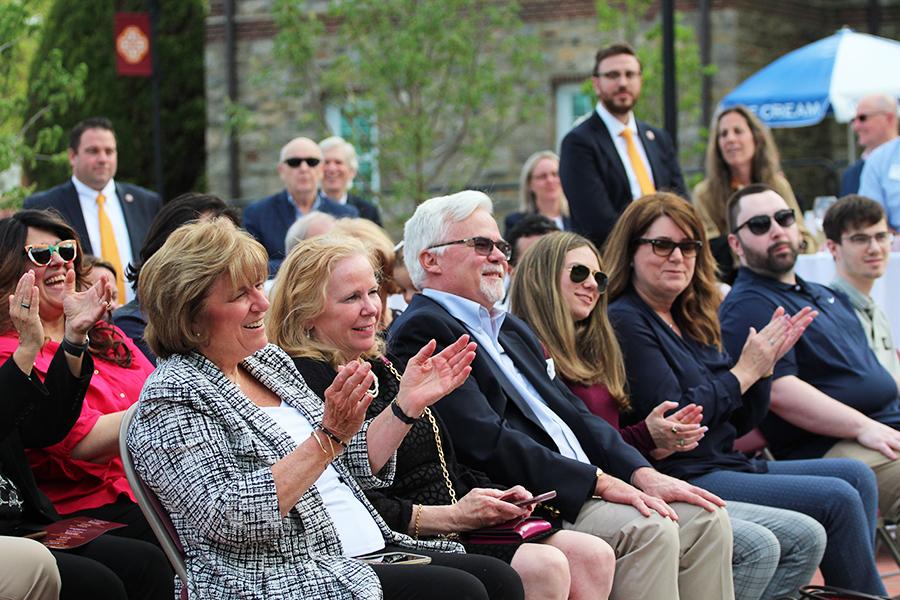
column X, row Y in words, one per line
column 416, row 523
column 321, row 445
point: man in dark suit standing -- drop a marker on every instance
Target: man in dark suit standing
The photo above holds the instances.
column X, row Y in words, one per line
column 515, row 420
column 341, row 166
column 611, row 158
column 110, row 218
column 268, row 220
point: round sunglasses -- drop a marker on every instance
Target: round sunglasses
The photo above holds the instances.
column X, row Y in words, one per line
column 578, row 273
column 42, row 254
column 760, row 224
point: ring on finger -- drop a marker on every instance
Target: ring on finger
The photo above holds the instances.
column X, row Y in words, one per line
column 25, row 306
column 771, row 342
column 680, row 443
column 674, row 429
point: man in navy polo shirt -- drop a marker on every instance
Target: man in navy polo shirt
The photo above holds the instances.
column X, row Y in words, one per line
column 830, row 395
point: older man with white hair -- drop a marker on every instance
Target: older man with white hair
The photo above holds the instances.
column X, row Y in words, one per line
column 341, row 167
column 516, row 421
column 875, row 124
column 300, row 168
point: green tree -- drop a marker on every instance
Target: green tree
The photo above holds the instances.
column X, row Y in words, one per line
column 637, row 22
column 433, row 84
column 82, row 32
column 19, row 28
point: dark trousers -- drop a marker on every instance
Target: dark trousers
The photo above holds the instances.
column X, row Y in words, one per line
column 122, row 511
column 115, row 568
column 450, row 577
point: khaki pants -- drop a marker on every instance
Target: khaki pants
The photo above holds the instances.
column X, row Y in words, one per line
column 887, row 474
column 657, row 559
column 28, row 572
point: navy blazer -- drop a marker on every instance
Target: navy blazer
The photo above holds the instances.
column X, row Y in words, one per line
column 269, row 219
column 492, row 427
column 139, row 207
column 367, row 210
column 594, row 178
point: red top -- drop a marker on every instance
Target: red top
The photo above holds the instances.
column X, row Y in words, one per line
column 71, row 484
column 600, row 402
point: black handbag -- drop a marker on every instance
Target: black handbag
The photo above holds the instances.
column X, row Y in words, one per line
column 828, row 592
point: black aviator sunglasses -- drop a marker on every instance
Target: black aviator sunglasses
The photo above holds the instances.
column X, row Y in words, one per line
column 578, row 273
column 760, row 224
column 295, row 162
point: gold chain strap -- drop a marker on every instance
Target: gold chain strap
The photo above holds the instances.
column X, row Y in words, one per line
column 437, row 439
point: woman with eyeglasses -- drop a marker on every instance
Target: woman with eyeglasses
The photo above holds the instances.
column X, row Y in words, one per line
column 663, row 308
column 740, row 151
column 540, row 192
column 81, row 474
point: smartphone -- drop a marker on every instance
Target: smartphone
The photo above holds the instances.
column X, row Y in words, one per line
column 396, row 558
column 534, row 499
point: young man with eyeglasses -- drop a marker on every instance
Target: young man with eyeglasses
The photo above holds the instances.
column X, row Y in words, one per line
column 611, row 158
column 860, row 242
column 515, row 420
column 300, row 165
column 875, row 124
column 830, row 395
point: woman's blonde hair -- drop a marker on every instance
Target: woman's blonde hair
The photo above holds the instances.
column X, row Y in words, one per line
column 695, row 308
column 586, row 352
column 176, row 280
column 527, row 200
column 713, row 198
column 300, row 292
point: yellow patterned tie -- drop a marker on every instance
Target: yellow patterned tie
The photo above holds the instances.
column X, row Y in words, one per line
column 109, row 250
column 640, row 171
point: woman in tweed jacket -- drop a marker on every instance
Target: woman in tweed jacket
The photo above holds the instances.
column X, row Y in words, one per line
column 247, row 497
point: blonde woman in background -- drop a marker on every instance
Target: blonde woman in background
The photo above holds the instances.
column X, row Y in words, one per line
column 540, row 192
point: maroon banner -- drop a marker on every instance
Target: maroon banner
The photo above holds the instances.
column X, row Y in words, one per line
column 133, row 45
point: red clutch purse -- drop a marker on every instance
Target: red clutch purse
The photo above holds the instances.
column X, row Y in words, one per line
column 511, row 532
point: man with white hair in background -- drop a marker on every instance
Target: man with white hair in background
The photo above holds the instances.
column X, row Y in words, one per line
column 875, row 124
column 516, row 421
column 341, row 166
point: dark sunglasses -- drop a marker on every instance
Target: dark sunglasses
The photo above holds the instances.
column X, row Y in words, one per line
column 42, row 254
column 863, row 117
column 760, row 224
column 482, row 245
column 578, row 273
column 665, row 248
column 295, row 162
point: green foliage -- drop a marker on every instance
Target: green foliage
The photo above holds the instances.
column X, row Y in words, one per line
column 21, row 142
column 435, row 84
column 637, row 22
column 82, row 32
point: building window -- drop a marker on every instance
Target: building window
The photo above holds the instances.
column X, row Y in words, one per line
column 572, row 105
column 358, row 128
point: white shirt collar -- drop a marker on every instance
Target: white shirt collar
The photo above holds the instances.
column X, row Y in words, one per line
column 86, row 191
column 614, row 125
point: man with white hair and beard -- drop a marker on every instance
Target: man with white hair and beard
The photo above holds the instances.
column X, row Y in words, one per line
column 516, row 421
column 830, row 395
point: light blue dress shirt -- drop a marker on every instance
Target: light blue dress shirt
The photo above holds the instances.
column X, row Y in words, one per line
column 880, row 179
column 485, row 328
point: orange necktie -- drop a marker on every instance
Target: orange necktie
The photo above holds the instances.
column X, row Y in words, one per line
column 109, row 250
column 640, row 171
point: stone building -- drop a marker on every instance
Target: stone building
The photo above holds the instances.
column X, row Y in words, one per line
column 743, row 35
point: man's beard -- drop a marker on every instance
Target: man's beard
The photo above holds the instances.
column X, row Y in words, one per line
column 769, row 262
column 491, row 288
column 617, row 109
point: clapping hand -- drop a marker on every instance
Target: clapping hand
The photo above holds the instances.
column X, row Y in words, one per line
column 767, row 346
column 429, row 377
column 84, row 309
column 346, row 399
column 679, row 432
column 24, row 312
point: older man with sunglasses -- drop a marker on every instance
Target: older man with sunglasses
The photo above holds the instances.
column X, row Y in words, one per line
column 300, row 166
column 515, row 420
column 830, row 395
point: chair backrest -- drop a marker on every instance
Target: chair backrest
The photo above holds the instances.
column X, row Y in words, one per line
column 754, row 443
column 154, row 512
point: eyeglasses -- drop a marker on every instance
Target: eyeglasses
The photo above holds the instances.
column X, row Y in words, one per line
column 760, row 224
column 863, row 117
column 295, row 162
column 482, row 245
column 665, row 248
column 578, row 273
column 614, row 75
column 42, row 254
column 862, row 240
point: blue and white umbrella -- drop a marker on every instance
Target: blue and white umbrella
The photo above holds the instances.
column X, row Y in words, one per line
column 828, row 76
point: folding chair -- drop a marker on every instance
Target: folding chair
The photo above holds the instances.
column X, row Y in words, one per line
column 153, row 511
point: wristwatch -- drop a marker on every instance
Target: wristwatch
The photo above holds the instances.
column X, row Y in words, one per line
column 599, row 475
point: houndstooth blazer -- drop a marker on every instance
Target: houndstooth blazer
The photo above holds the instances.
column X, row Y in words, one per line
column 207, row 452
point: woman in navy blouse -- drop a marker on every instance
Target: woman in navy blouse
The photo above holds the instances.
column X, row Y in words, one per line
column 663, row 308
